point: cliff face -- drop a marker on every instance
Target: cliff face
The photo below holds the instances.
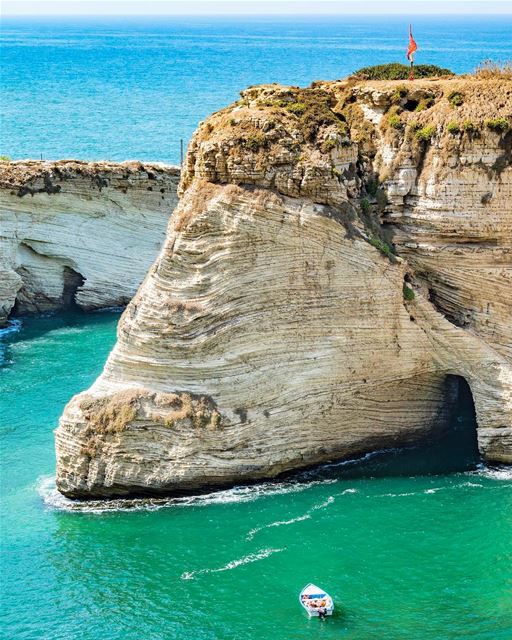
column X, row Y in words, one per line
column 79, row 233
column 277, row 328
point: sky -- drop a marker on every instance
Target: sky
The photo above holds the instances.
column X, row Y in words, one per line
column 250, row 7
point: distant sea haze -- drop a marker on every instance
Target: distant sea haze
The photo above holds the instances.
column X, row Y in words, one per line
column 132, row 88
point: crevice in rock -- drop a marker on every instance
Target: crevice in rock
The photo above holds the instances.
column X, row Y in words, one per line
column 72, row 282
column 48, row 187
column 455, row 316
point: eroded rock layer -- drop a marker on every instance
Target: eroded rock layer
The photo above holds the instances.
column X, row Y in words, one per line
column 338, row 254
column 79, row 233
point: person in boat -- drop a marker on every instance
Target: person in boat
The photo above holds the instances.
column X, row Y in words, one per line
column 322, row 612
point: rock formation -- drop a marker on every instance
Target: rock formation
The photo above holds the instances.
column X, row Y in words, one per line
column 81, row 233
column 338, row 254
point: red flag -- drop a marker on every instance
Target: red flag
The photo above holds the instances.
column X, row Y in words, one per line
column 412, row 46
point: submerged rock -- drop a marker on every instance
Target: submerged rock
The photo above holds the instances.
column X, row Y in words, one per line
column 79, row 233
column 334, row 261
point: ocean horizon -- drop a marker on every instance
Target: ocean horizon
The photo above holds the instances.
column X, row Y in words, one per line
column 132, row 88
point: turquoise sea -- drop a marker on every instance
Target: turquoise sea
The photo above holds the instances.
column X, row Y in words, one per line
column 132, row 88
column 413, row 545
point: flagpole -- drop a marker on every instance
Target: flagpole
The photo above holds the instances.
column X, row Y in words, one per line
column 410, row 53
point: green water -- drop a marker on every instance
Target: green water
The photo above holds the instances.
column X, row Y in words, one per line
column 424, row 557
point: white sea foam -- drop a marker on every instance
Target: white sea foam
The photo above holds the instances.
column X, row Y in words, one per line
column 394, row 495
column 306, row 516
column 52, row 498
column 252, row 557
column 12, row 327
column 277, row 523
column 495, row 473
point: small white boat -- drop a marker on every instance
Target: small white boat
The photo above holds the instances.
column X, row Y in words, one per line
column 316, row 601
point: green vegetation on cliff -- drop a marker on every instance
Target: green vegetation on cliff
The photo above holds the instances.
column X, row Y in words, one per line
column 399, row 71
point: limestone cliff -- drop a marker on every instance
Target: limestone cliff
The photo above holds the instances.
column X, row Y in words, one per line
column 338, row 254
column 79, row 232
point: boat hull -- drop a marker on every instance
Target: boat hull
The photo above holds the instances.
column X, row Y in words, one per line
column 316, row 594
column 315, row 614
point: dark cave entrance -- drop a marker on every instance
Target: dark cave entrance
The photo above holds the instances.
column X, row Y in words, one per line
column 451, row 447
column 72, row 282
column 460, row 438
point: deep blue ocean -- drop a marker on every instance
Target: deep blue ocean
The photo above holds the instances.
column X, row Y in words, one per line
column 124, row 88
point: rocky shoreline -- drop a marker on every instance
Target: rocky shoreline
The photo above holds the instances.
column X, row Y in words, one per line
column 79, row 234
column 339, row 261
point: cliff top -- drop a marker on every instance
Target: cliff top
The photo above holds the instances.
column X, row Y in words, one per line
column 303, row 141
column 17, row 174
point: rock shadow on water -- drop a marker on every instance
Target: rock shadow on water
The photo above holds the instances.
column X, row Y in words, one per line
column 453, row 449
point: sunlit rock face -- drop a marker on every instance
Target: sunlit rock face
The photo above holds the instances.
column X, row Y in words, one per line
column 79, row 233
column 335, row 256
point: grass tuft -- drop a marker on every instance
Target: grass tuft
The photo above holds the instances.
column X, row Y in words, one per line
column 453, row 128
column 499, row 125
column 298, row 108
column 455, row 98
column 469, row 126
column 426, row 133
column 408, row 292
column 382, row 246
column 489, row 69
column 395, row 122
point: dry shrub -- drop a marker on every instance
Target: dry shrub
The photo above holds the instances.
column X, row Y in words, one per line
column 176, row 407
column 494, row 69
column 112, row 414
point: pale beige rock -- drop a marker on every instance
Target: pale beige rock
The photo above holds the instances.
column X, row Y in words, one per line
column 271, row 307
column 73, row 227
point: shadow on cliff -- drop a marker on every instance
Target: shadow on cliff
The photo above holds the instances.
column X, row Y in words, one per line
column 453, row 449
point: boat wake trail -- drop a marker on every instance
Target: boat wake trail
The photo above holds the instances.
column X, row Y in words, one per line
column 278, row 523
column 53, row 499
column 252, row 557
column 307, row 516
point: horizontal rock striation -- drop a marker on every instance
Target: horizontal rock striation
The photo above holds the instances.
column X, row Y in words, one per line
column 335, row 259
column 79, row 233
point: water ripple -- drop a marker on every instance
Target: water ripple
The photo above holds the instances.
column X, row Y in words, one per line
column 252, row 557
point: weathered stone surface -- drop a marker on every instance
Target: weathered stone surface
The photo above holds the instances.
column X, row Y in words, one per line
column 274, row 306
column 79, row 232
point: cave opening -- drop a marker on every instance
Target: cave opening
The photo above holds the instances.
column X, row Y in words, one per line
column 451, row 447
column 460, row 438
column 72, row 281
column 411, row 105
